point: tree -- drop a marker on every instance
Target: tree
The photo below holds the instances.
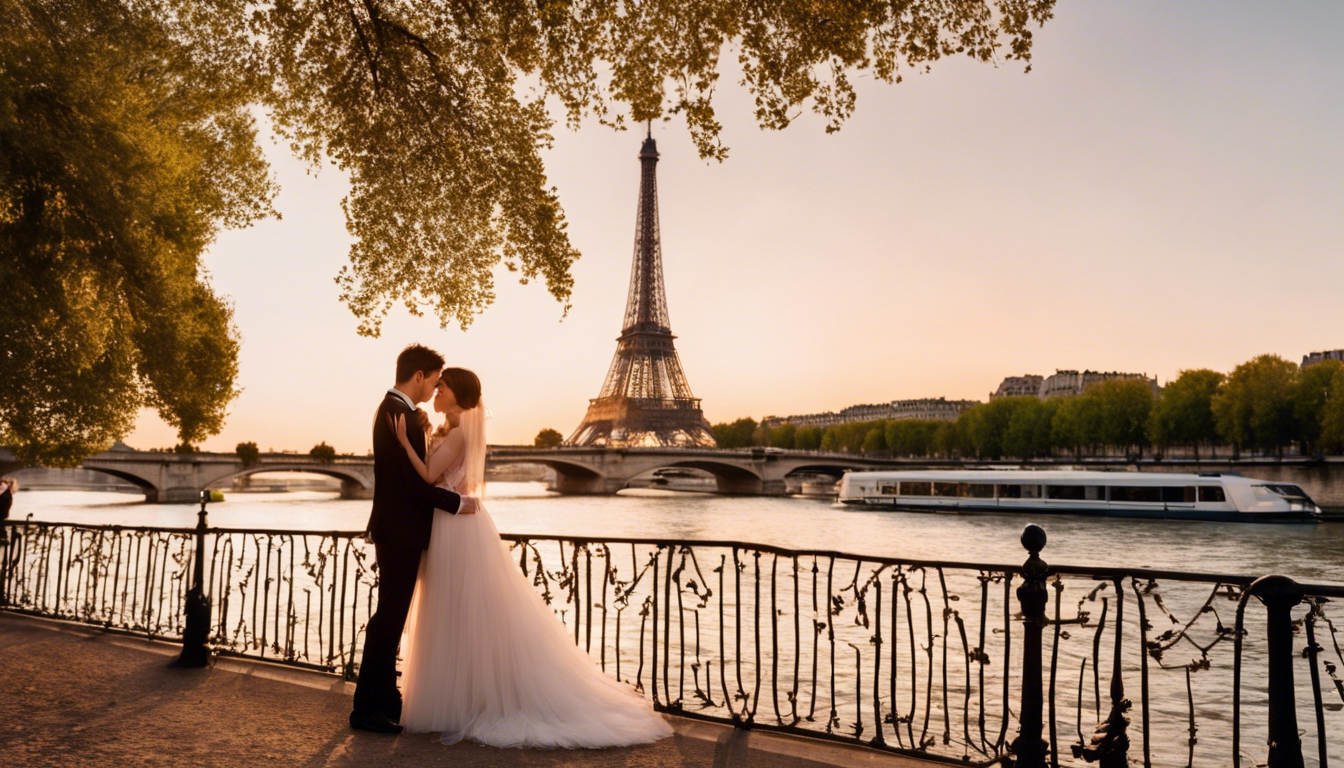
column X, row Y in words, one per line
column 1028, row 434
column 911, row 437
column 848, row 438
column 548, row 438
column 324, row 453
column 1076, row 424
column 1255, row 406
column 830, row 439
column 422, row 103
column 735, row 435
column 249, row 454
column 1314, row 388
column 951, row 439
column 807, row 438
column 875, row 439
column 1123, row 407
column 1332, row 416
column 127, row 141
column 987, row 425
column 1183, row 412
column 783, row 436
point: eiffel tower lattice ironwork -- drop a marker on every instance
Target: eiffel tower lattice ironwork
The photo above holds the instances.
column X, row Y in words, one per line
column 645, row 400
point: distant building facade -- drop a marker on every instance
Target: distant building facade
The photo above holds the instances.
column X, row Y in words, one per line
column 1018, row 386
column 930, row 408
column 1321, row 357
column 1061, row 384
column 1067, row 383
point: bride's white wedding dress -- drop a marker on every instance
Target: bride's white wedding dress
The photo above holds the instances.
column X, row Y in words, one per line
column 487, row 660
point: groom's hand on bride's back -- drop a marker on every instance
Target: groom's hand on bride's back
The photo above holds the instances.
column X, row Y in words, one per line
column 467, row 506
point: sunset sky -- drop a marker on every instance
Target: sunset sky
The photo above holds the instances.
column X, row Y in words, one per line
column 1165, row 190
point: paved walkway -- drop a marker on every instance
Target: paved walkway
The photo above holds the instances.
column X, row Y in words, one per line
column 75, row 696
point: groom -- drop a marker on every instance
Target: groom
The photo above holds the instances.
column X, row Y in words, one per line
column 403, row 512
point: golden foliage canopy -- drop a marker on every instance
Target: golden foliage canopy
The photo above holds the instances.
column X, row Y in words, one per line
column 128, row 139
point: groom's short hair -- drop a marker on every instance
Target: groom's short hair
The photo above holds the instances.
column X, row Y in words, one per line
column 417, row 358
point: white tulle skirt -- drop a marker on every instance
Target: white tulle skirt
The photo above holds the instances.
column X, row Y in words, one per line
column 487, row 660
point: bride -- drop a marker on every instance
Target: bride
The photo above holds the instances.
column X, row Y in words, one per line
column 486, row 658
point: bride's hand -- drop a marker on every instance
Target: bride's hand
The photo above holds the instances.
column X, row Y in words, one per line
column 399, row 427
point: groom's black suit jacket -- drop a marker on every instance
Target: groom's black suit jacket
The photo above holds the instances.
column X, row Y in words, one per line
column 403, row 503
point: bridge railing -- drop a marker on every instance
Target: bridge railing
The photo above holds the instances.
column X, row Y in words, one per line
column 966, row 662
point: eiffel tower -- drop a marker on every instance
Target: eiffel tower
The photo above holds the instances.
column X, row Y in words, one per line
column 645, row 401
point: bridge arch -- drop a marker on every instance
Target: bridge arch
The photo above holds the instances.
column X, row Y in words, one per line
column 355, row 484
column 796, row 479
column 570, row 476
column 150, row 490
column 836, row 469
column 179, row 480
column 731, row 478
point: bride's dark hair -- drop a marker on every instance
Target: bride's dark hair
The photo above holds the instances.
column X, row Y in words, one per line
column 466, row 387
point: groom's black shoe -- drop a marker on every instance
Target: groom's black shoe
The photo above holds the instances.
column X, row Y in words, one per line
column 393, row 711
column 374, row 722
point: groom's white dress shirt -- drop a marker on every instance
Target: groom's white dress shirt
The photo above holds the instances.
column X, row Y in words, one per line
column 402, row 395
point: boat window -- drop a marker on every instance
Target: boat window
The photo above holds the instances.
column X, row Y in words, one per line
column 1137, row 493
column 1211, row 493
column 1076, row 492
column 977, row 490
column 1290, row 491
column 1031, row 491
column 887, row 490
column 1066, row 492
column 1178, row 494
column 945, row 489
column 1010, row 491
column 916, row 489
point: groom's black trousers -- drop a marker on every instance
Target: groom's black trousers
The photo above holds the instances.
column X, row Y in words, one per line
column 398, row 565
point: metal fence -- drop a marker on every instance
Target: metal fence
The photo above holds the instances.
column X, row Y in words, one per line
column 970, row 663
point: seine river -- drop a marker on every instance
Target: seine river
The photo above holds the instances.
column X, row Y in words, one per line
column 1313, row 553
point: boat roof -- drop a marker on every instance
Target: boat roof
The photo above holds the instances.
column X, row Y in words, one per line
column 1061, row 476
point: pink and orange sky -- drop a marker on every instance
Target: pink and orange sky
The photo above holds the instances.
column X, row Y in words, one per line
column 1164, row 190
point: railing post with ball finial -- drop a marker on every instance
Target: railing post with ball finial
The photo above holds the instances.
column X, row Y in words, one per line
column 197, row 609
column 1279, row 594
column 1029, row 748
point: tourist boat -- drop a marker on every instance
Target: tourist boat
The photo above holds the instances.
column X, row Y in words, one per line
column 1078, row 492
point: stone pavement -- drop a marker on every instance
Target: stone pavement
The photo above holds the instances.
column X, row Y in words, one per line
column 75, row 696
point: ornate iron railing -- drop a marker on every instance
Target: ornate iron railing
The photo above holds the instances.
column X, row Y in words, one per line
column 975, row 664
column 294, row 597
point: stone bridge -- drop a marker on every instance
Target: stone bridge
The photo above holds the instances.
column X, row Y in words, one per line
column 175, row 478
column 751, row 471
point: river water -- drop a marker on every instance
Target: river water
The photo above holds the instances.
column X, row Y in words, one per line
column 935, row 652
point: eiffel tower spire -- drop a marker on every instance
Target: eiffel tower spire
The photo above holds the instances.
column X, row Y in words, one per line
column 645, row 400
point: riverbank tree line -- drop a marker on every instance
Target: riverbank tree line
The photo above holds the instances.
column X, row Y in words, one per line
column 1265, row 406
